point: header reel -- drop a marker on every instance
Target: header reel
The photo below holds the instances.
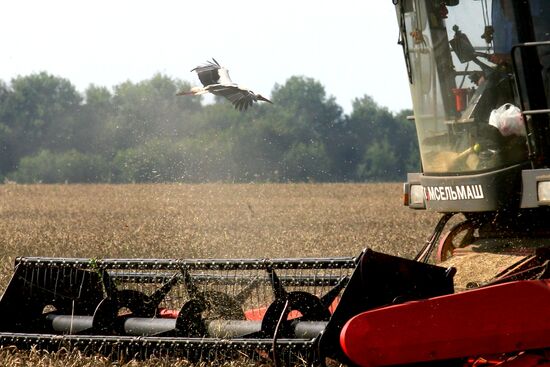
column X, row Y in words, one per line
column 284, row 309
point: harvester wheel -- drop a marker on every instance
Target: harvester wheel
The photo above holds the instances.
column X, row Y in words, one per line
column 105, row 316
column 190, row 322
column 308, row 306
column 138, row 303
column 459, row 236
column 208, row 305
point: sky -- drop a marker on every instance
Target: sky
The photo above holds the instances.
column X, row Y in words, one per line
column 349, row 46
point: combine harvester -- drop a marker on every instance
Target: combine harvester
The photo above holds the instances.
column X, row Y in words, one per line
column 479, row 77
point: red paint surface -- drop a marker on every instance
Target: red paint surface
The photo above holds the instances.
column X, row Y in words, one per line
column 502, row 318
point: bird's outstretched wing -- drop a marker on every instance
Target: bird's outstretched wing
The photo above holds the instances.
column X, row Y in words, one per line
column 240, row 97
column 212, row 73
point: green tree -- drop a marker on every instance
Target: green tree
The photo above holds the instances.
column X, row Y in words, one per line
column 303, row 121
column 379, row 163
column 40, row 112
column 70, row 166
column 150, row 110
column 6, row 139
column 6, row 150
column 304, row 109
column 409, row 151
column 385, row 143
column 189, row 160
column 143, row 132
column 153, row 161
column 95, row 132
column 307, row 162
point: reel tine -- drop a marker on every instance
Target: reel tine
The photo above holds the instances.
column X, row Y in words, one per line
column 278, row 290
column 192, row 289
column 159, row 295
column 108, row 284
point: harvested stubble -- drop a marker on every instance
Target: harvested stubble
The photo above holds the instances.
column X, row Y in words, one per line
column 200, row 221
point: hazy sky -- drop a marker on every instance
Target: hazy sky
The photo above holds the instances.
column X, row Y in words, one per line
column 348, row 46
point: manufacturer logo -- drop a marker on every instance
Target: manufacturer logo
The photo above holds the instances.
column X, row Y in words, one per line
column 458, row 192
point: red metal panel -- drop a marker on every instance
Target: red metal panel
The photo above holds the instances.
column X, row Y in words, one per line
column 507, row 317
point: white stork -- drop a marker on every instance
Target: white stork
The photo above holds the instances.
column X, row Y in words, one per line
column 215, row 79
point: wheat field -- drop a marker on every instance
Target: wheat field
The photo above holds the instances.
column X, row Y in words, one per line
column 199, row 221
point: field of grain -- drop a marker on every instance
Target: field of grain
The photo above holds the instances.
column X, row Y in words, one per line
column 199, row 221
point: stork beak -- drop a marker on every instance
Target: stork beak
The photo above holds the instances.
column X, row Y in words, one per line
column 262, row 98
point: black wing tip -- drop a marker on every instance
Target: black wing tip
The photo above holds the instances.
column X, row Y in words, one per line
column 241, row 104
column 207, row 64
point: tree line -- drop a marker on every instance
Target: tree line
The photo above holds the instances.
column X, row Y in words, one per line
column 143, row 132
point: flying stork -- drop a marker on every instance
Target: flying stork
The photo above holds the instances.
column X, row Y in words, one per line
column 215, row 79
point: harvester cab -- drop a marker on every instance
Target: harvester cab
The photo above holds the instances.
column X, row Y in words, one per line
column 478, row 73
